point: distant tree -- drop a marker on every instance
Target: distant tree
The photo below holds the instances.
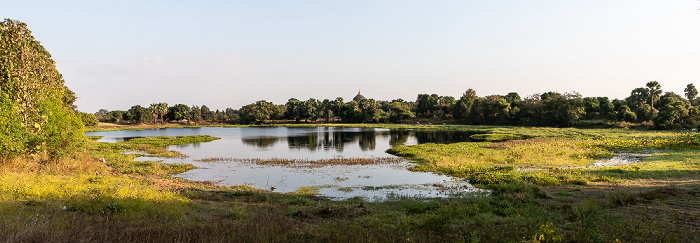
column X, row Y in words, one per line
column 513, row 99
column 444, row 106
column 178, row 112
column 426, row 105
column 463, row 106
column 101, row 114
column 195, row 114
column 561, row 109
column 229, row 114
column 638, row 97
column 399, row 111
column 327, row 107
column 671, row 114
column 207, row 114
column 626, row 114
column 654, row 89
column 606, row 107
column 158, row 110
column 368, row 107
column 492, row 109
column 294, row 109
column 114, row 116
column 338, row 106
column 592, row 107
column 351, row 112
column 670, row 97
column 309, row 110
column 258, row 112
column 137, row 114
column 690, row 92
column 88, row 119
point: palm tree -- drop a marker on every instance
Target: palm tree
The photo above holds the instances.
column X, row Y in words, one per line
column 338, row 105
column 654, row 89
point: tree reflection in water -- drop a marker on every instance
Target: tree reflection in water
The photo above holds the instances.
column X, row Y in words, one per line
column 328, row 139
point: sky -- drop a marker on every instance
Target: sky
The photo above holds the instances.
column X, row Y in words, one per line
column 116, row 54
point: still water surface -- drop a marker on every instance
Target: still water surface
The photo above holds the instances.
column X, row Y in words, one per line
column 373, row 182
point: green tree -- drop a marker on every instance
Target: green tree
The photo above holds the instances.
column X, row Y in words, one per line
column 338, row 106
column 195, row 114
column 327, row 107
column 444, row 106
column 294, row 108
column 691, row 92
column 654, row 89
column 513, row 99
column 178, row 112
column 158, row 110
column 258, row 112
column 88, row 119
column 137, row 114
column 638, row 97
column 399, row 111
column 426, row 105
column 34, row 117
column 114, row 116
column 368, row 107
column 309, row 109
column 207, row 114
column 671, row 114
column 462, row 108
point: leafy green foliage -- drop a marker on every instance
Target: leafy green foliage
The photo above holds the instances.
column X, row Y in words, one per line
column 88, row 119
column 34, row 118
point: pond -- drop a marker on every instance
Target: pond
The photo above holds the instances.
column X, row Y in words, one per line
column 232, row 160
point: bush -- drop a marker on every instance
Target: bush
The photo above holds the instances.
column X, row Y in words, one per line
column 88, row 119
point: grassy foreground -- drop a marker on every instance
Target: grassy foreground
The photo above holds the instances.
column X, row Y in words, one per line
column 543, row 190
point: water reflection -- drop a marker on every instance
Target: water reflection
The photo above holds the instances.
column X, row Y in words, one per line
column 366, row 139
column 260, row 142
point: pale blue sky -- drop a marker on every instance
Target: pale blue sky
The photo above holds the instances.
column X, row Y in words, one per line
column 115, row 54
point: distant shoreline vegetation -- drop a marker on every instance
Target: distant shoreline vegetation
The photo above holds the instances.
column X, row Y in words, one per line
column 646, row 107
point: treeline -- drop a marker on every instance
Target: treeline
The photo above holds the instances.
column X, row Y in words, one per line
column 648, row 104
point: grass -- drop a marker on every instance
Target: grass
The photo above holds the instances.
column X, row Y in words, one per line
column 542, row 190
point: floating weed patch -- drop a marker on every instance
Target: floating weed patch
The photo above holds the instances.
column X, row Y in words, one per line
column 215, row 159
column 163, row 141
column 306, row 191
column 323, row 162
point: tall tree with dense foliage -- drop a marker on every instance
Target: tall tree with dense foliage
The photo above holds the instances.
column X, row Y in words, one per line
column 338, row 106
column 137, row 114
column 258, row 112
column 36, row 116
column 294, row 108
column 426, row 105
column 195, row 114
column 691, row 92
column 207, row 114
column 178, row 112
column 399, row 111
column 327, row 108
column 654, row 89
column 368, row 107
column 462, row 108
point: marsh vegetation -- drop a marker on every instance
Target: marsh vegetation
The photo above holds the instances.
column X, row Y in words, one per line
column 540, row 189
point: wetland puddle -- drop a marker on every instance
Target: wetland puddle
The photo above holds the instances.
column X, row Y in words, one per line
column 325, row 158
column 621, row 159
